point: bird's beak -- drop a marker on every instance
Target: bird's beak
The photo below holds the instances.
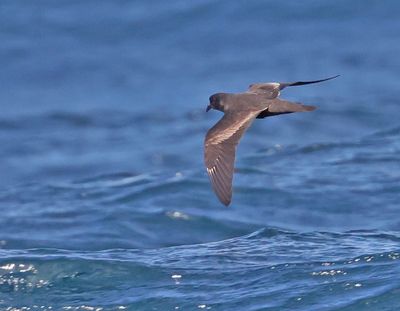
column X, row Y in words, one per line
column 208, row 108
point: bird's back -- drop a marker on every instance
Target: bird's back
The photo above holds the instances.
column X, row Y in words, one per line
column 245, row 102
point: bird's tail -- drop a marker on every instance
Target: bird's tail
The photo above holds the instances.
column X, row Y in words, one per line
column 279, row 106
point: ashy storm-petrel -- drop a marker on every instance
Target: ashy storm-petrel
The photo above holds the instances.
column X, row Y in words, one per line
column 240, row 110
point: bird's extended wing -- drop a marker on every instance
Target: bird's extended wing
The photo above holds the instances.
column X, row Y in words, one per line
column 271, row 89
column 220, row 148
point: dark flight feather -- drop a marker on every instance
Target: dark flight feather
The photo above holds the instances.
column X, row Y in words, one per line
column 220, row 148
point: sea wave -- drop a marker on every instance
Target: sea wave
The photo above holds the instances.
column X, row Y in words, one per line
column 269, row 268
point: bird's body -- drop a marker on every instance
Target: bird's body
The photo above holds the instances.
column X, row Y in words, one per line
column 240, row 110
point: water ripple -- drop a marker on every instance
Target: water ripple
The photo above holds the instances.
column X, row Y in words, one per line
column 308, row 265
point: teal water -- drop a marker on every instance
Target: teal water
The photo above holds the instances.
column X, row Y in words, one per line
column 104, row 201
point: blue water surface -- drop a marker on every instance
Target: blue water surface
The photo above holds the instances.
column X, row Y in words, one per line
column 104, row 200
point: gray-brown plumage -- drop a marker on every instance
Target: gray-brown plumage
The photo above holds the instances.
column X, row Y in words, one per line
column 240, row 110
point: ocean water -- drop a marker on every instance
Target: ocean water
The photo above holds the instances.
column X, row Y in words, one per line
column 104, row 200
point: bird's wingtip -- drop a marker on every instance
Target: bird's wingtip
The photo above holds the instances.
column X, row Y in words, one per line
column 226, row 201
column 283, row 85
column 309, row 108
column 330, row 78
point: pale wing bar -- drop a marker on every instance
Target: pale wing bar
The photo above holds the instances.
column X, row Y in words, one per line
column 269, row 90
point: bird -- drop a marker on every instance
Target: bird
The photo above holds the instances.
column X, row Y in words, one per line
column 240, row 110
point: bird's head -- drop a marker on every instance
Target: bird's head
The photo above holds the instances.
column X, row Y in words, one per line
column 216, row 102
